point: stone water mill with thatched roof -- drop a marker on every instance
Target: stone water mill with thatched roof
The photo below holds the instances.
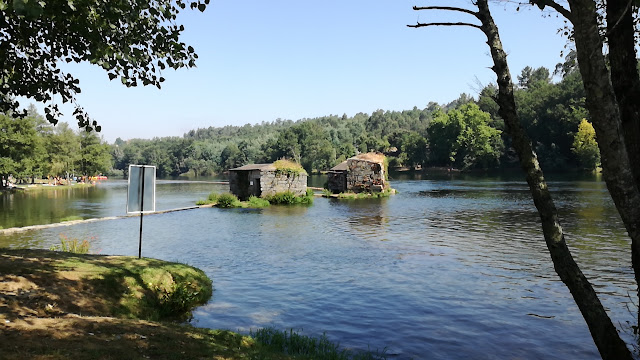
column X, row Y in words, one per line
column 268, row 179
column 361, row 173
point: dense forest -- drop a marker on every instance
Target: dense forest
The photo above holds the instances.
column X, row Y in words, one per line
column 464, row 134
column 31, row 148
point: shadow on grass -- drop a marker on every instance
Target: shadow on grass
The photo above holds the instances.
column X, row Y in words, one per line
column 108, row 338
column 44, row 283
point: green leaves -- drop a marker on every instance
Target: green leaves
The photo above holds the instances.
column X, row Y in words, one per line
column 28, row 8
column 125, row 38
column 585, row 146
column 462, row 137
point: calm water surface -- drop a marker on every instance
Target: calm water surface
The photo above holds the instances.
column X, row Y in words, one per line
column 448, row 268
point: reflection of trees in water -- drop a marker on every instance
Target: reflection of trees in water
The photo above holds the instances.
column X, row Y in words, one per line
column 368, row 218
column 49, row 206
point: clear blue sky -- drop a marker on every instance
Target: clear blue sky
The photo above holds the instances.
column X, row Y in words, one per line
column 262, row 60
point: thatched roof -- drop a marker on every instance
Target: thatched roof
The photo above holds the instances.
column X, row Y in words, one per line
column 371, row 156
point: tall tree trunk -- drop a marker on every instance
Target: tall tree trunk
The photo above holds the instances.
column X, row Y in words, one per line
column 624, row 75
column 604, row 333
column 607, row 120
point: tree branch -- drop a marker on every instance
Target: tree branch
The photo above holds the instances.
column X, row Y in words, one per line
column 557, row 7
column 417, row 25
column 447, row 8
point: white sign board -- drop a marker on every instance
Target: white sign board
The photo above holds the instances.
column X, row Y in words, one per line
column 141, row 196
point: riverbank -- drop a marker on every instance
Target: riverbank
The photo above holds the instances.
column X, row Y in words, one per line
column 46, row 187
column 58, row 305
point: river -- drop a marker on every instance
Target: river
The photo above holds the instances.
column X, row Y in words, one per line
column 449, row 268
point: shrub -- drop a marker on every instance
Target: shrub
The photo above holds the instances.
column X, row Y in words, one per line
column 256, row 202
column 282, row 198
column 213, row 197
column 228, row 200
column 74, row 245
column 289, row 198
column 308, row 198
column 179, row 298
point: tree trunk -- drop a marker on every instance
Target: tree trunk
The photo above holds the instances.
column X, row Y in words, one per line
column 624, row 75
column 604, row 333
column 607, row 120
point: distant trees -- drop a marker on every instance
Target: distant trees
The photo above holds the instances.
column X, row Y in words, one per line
column 30, row 147
column 466, row 134
column 585, row 146
column 18, row 148
column 463, row 138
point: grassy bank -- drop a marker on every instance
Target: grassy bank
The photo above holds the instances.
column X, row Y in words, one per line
column 61, row 283
column 46, row 187
column 57, row 305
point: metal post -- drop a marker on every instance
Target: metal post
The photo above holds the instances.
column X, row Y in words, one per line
column 141, row 214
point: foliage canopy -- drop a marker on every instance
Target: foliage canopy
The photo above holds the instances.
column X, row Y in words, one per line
column 132, row 40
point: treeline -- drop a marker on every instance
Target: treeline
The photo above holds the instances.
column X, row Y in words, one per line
column 466, row 134
column 32, row 148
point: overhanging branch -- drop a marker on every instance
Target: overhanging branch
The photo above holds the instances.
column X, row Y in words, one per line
column 447, row 8
column 417, row 25
column 557, row 7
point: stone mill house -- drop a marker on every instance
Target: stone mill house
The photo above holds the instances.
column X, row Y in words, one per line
column 361, row 173
column 265, row 180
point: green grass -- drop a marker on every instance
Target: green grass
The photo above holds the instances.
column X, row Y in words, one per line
column 227, row 200
column 289, row 168
column 212, row 199
column 71, row 218
column 306, row 347
column 257, row 203
column 145, row 289
column 289, row 198
column 361, row 195
column 57, row 187
column 73, row 245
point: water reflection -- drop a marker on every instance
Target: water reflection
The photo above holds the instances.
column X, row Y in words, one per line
column 42, row 207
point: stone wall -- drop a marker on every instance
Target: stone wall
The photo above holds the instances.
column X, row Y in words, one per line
column 272, row 183
column 365, row 175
